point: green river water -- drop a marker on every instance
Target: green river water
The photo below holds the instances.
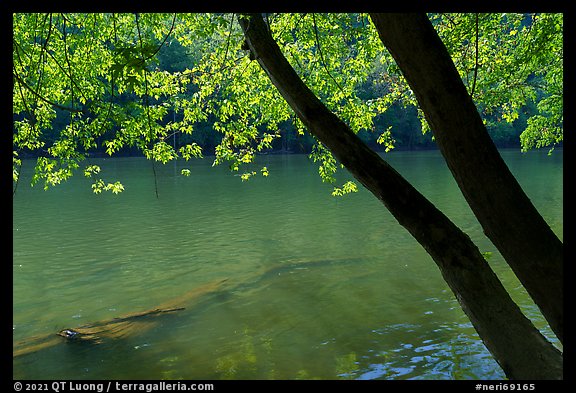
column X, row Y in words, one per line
column 318, row 287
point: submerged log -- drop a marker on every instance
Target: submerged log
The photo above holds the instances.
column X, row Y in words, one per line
column 116, row 327
column 119, row 327
column 139, row 322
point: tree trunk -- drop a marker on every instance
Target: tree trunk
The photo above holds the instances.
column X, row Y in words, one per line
column 507, row 216
column 519, row 348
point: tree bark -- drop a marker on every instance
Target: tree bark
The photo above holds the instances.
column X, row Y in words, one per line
column 506, row 214
column 519, row 348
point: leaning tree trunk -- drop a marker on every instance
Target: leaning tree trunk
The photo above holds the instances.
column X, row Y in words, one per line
column 519, row 348
column 507, row 216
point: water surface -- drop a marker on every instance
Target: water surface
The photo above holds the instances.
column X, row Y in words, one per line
column 319, row 287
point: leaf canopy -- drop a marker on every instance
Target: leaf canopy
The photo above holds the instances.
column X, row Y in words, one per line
column 84, row 82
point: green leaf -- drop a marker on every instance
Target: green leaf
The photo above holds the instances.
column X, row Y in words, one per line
column 91, row 170
column 247, row 175
column 386, row 139
column 347, row 188
column 115, row 187
column 191, row 150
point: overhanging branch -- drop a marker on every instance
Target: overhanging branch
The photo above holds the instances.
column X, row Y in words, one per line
column 41, row 97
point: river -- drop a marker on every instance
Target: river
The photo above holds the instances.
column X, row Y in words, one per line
column 319, row 287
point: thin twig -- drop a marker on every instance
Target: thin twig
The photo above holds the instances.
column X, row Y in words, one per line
column 27, row 108
column 449, row 18
column 42, row 51
column 145, row 98
column 476, row 61
column 321, row 55
column 38, row 95
column 17, row 179
column 72, row 83
column 165, row 38
column 228, row 40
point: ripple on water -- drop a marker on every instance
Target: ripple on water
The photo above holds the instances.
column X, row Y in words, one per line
column 447, row 355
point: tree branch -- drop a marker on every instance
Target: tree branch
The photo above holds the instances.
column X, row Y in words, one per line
column 508, row 217
column 38, row 95
column 321, row 54
column 228, row 40
column 498, row 320
column 475, row 61
column 145, row 98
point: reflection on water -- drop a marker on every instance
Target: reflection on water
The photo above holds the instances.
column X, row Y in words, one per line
column 319, row 287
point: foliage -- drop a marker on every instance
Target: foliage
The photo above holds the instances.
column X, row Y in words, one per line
column 169, row 86
column 518, row 61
